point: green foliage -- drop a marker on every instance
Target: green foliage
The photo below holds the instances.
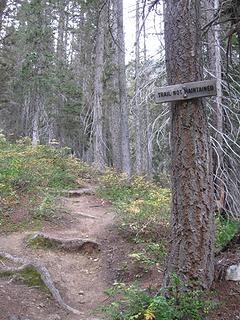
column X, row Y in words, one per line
column 225, row 230
column 143, row 209
column 134, row 303
column 33, row 177
column 142, row 205
column 149, row 253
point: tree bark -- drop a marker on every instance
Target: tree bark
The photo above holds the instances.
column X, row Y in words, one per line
column 138, row 107
column 115, row 112
column 3, row 4
column 126, row 164
column 99, row 144
column 192, row 234
column 214, row 61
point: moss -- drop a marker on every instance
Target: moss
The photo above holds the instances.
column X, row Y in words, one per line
column 30, row 276
column 40, row 242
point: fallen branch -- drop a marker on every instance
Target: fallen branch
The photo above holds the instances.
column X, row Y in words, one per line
column 42, row 271
column 70, row 245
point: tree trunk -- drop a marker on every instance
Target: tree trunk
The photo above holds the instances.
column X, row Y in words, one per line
column 126, row 165
column 3, row 4
column 192, row 235
column 138, row 111
column 99, row 144
column 115, row 113
column 35, row 124
column 214, row 60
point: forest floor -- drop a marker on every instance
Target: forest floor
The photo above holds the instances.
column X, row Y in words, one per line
column 83, row 278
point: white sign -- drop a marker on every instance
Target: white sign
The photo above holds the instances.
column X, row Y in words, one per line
column 186, row 91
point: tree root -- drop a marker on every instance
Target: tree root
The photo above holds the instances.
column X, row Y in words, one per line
column 70, row 245
column 80, row 192
column 43, row 273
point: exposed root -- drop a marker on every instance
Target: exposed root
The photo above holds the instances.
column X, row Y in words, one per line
column 70, row 245
column 42, row 271
column 83, row 215
column 80, row 192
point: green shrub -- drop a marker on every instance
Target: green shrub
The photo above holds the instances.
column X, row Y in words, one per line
column 134, row 303
column 225, row 230
column 141, row 204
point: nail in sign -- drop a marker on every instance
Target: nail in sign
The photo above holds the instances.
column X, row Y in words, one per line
column 186, row 91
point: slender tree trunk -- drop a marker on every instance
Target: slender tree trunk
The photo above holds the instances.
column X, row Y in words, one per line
column 191, row 253
column 214, row 58
column 99, row 144
column 126, row 164
column 138, row 111
column 3, row 4
column 147, row 141
column 115, row 113
column 35, row 126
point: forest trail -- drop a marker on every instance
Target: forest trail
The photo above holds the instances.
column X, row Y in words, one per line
column 81, row 278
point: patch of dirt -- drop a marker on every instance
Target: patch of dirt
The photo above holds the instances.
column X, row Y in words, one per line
column 227, row 297
column 83, row 278
column 80, row 278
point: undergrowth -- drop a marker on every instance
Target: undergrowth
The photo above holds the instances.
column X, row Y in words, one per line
column 143, row 211
column 141, row 204
column 32, row 179
column 226, row 228
column 177, row 303
column 144, row 214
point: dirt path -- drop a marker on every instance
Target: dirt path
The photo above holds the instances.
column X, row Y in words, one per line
column 81, row 279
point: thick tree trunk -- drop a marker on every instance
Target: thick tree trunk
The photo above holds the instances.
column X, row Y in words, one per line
column 126, row 164
column 192, row 235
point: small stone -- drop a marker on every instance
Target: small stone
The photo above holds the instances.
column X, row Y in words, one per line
column 233, row 273
column 41, row 305
column 81, row 293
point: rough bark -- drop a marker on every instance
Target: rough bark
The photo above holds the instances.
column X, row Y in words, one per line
column 126, row 164
column 191, row 249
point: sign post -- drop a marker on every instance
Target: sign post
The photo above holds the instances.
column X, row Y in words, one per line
column 186, row 91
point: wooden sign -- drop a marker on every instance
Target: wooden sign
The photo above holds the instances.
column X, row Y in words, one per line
column 186, row 91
